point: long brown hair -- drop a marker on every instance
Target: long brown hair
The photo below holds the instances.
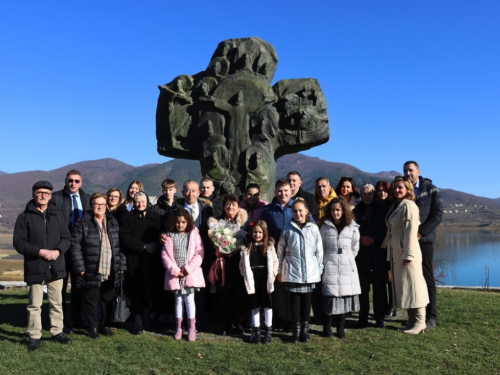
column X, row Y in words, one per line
column 265, row 238
column 128, row 198
column 347, row 215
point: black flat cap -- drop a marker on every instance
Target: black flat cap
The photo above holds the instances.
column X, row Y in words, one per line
column 43, row 185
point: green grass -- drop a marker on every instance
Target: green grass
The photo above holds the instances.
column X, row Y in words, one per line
column 465, row 342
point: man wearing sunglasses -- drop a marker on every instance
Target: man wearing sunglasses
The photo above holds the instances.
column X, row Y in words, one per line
column 73, row 202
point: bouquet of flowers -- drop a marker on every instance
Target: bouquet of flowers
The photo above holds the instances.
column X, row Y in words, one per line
column 226, row 236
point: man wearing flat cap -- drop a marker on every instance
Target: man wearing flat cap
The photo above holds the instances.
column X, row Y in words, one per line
column 42, row 236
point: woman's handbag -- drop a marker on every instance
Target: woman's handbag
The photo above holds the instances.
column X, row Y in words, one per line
column 121, row 311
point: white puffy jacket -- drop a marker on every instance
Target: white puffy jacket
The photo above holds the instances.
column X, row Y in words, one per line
column 300, row 254
column 340, row 276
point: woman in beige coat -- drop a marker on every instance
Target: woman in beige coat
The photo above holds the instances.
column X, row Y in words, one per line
column 403, row 252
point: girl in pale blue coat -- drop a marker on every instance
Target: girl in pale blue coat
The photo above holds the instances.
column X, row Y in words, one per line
column 341, row 288
column 300, row 255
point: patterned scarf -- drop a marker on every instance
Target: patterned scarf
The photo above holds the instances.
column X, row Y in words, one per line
column 105, row 258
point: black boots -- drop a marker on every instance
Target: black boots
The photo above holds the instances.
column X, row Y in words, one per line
column 304, row 332
column 295, row 333
column 340, row 326
column 327, row 326
column 255, row 336
column 268, row 336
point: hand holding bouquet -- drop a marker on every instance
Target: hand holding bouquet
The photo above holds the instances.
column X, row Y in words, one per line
column 226, row 236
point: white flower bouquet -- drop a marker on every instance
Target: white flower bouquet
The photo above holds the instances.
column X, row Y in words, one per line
column 226, row 236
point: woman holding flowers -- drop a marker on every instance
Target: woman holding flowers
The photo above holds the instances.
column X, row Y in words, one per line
column 225, row 232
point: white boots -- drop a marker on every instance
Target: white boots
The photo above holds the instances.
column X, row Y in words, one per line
column 417, row 317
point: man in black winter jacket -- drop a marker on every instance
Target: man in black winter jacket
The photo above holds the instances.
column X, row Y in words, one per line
column 41, row 235
column 430, row 207
column 207, row 191
column 371, row 259
column 73, row 202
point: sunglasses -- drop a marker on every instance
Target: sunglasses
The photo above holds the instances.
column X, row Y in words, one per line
column 75, row 181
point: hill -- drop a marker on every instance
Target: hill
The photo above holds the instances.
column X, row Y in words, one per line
column 100, row 175
column 2, row 173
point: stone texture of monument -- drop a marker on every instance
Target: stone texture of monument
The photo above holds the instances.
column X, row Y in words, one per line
column 230, row 118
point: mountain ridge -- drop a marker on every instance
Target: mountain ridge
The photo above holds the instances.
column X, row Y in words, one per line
column 102, row 174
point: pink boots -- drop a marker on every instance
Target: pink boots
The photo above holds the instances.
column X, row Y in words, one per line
column 192, row 330
column 178, row 332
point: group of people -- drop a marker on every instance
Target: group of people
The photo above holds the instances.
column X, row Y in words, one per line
column 301, row 251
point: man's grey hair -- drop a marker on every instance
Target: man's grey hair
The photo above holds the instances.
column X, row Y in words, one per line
column 185, row 184
column 322, row 179
column 367, row 186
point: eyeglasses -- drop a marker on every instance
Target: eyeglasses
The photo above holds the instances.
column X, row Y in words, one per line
column 75, row 181
column 42, row 193
column 99, row 204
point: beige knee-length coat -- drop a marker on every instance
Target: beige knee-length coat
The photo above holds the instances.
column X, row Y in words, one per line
column 401, row 242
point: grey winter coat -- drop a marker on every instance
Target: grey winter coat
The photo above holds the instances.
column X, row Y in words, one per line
column 300, row 254
column 340, row 275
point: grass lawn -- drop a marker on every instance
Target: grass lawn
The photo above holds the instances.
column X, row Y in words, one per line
column 465, row 342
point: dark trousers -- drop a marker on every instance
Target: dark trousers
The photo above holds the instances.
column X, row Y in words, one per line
column 317, row 302
column 73, row 315
column 103, row 296
column 300, row 306
column 427, row 267
column 377, row 279
column 232, row 303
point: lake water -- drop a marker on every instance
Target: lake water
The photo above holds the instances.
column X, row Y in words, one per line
column 465, row 258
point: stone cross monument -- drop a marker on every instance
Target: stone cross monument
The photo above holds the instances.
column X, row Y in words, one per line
column 230, row 118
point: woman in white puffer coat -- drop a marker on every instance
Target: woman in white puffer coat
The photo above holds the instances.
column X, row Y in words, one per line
column 341, row 287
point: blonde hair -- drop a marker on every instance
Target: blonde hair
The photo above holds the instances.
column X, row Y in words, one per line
column 410, row 195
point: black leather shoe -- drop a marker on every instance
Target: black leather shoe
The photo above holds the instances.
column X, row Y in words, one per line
column 33, row 344
column 390, row 313
column 106, row 331
column 430, row 324
column 67, row 330
column 93, row 334
column 61, row 338
column 136, row 330
column 239, row 329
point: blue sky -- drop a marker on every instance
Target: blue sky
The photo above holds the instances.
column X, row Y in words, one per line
column 402, row 79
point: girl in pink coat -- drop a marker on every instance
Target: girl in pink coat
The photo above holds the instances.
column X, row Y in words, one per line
column 182, row 255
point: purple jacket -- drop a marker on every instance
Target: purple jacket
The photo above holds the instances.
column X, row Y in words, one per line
column 194, row 277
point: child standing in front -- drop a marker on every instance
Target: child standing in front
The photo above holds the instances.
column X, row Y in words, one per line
column 300, row 255
column 259, row 267
column 182, row 255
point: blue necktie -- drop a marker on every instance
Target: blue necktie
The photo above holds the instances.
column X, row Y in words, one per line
column 76, row 212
